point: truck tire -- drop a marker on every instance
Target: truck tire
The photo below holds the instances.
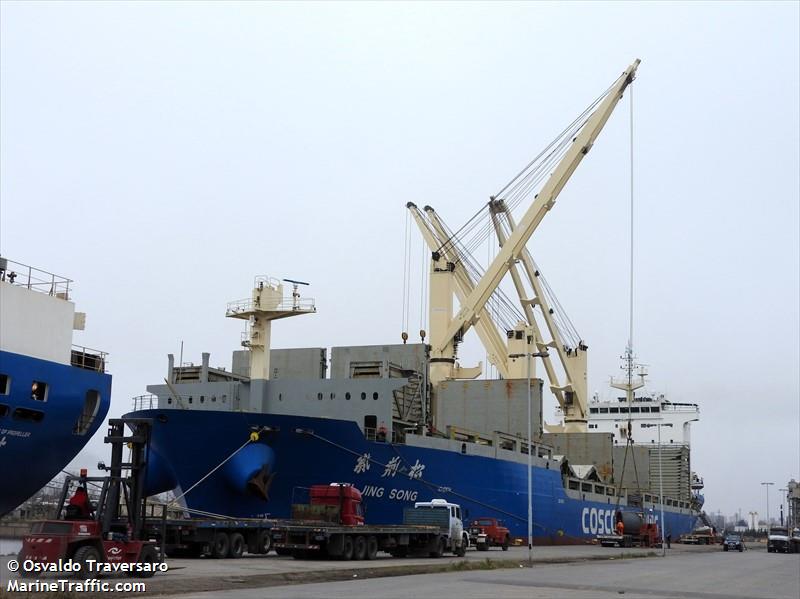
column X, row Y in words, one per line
column 482, row 546
column 83, row 555
column 439, row 551
column 506, row 541
column 283, row 551
column 347, row 548
column 724, row 547
column 359, row 548
column 741, row 548
column 461, row 550
column 220, row 545
column 148, row 555
column 262, row 543
column 372, row 548
column 236, row 548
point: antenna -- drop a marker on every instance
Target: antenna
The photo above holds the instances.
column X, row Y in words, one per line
column 295, row 292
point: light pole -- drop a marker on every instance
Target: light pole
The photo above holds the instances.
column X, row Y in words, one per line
column 785, row 494
column 660, row 482
column 767, row 485
column 530, row 355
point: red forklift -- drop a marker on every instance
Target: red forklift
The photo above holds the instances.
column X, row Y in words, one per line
column 108, row 538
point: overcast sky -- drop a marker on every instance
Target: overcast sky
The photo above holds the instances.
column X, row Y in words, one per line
column 162, row 154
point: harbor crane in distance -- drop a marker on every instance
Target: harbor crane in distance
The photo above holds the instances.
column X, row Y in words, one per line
column 447, row 330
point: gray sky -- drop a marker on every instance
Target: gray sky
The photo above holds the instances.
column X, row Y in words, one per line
column 164, row 154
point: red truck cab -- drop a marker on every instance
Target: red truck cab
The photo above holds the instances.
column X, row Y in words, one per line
column 488, row 532
column 343, row 501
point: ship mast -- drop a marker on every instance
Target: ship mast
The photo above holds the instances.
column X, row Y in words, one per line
column 266, row 304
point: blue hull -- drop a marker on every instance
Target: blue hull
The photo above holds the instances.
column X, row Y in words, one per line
column 301, row 451
column 36, row 445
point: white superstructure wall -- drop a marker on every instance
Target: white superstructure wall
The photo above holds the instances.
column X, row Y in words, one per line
column 35, row 324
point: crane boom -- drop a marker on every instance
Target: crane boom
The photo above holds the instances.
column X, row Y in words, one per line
column 470, row 308
column 435, row 236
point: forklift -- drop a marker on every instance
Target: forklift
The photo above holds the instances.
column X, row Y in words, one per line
column 110, row 537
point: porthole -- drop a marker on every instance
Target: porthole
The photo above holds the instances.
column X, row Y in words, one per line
column 333, row 395
column 202, row 399
column 363, row 395
column 347, row 396
column 375, row 395
column 319, row 396
column 280, row 396
column 169, row 400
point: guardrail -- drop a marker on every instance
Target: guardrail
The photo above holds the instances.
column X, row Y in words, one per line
column 34, row 279
column 88, row 358
column 287, row 304
column 145, row 402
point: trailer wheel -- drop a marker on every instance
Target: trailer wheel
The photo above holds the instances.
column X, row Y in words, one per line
column 347, row 548
column 83, row 556
column 372, row 548
column 283, row 551
column 505, row 543
column 263, row 543
column 220, row 545
column 359, row 548
column 237, row 546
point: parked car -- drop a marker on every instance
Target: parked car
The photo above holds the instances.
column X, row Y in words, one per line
column 731, row 542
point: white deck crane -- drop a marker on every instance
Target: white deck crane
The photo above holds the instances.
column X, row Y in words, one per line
column 448, row 330
column 572, row 394
column 447, row 274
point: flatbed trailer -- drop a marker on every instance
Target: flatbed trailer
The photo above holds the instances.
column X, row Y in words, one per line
column 213, row 537
column 359, row 542
column 626, row 540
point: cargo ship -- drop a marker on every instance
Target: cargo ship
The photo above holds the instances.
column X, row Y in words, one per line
column 406, row 422
column 53, row 394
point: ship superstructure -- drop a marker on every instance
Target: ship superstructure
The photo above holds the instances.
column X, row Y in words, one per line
column 406, row 421
column 53, row 394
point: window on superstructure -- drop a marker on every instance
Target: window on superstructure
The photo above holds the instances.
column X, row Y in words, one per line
column 614, row 410
column 604, row 410
column 646, row 409
column 655, row 409
column 635, row 410
column 91, row 404
column 5, row 384
column 593, row 410
column 39, row 391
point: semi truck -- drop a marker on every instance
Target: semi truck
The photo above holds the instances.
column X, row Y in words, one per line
column 332, row 526
column 637, row 530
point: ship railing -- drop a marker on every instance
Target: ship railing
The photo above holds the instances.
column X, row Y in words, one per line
column 145, row 402
column 35, row 279
column 88, row 358
column 287, row 304
column 374, row 434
